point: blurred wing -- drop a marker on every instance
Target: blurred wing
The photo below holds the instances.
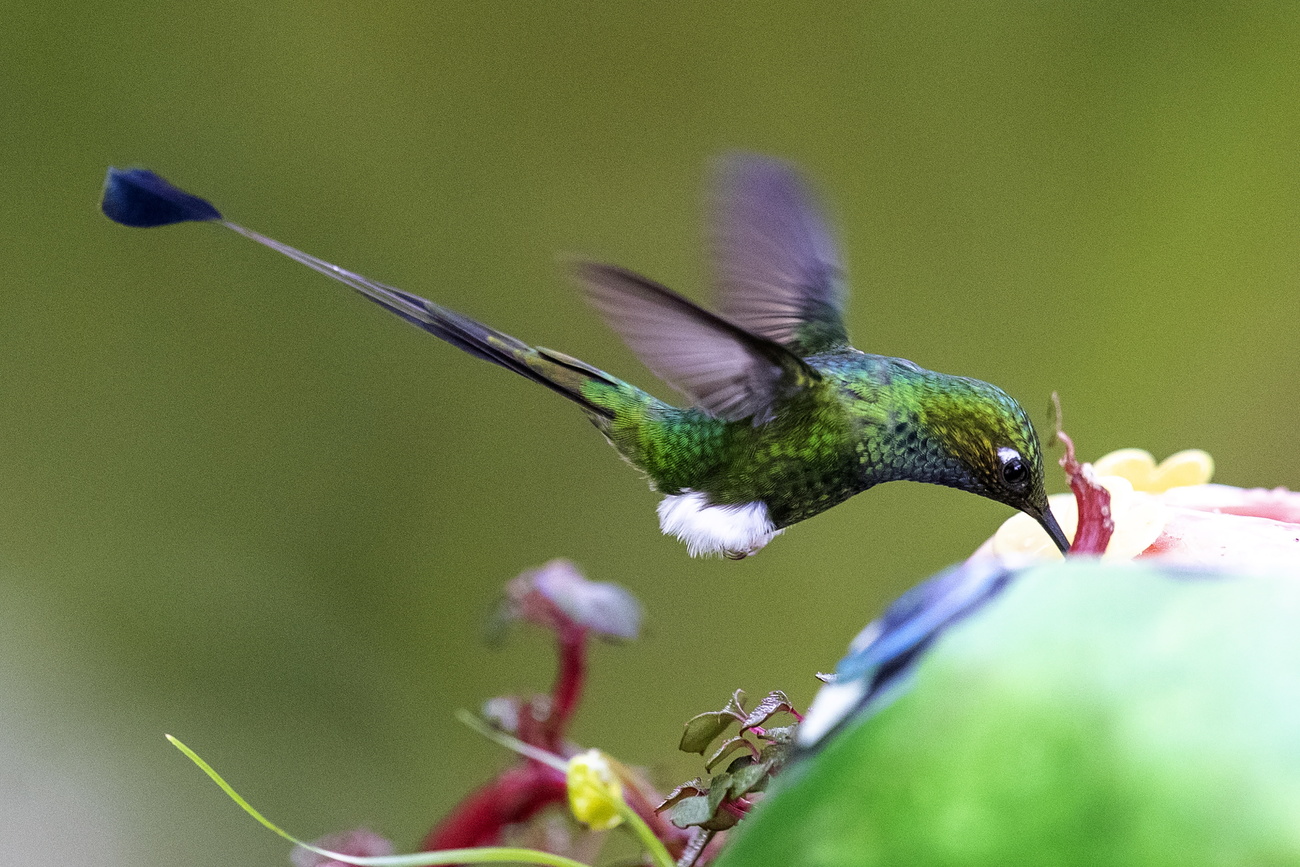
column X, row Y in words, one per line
column 723, row 369
column 776, row 269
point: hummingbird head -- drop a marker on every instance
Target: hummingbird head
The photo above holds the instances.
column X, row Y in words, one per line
column 990, row 447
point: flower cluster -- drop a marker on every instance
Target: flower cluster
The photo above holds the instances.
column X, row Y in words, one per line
column 1171, row 511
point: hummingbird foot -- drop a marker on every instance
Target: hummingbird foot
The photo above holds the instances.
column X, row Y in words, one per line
column 734, row 531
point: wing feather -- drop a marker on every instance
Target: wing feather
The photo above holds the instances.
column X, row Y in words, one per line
column 725, row 370
column 777, row 272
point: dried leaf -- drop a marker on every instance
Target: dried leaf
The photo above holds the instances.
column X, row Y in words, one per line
column 692, row 789
column 773, row 703
column 736, row 704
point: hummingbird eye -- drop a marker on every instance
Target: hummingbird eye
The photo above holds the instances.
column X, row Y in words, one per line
column 1015, row 472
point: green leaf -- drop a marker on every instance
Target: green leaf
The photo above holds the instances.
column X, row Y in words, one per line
column 703, row 730
column 780, row 735
column 729, row 747
column 748, row 778
column 685, row 790
column 691, row 811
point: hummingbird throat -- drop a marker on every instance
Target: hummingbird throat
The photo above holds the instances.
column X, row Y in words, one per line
column 733, row 531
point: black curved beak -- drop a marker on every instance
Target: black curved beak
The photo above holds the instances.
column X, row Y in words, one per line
column 1048, row 522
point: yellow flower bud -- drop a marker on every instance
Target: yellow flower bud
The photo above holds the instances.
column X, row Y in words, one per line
column 595, row 792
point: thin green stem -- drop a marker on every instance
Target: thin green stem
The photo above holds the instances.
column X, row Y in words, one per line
column 653, row 845
column 486, row 855
column 512, row 743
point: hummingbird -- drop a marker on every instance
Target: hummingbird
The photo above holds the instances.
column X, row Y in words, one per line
column 783, row 418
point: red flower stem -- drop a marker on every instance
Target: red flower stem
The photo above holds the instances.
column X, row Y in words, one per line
column 514, row 796
column 520, row 792
column 570, row 678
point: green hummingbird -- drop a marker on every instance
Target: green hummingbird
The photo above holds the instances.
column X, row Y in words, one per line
column 785, row 418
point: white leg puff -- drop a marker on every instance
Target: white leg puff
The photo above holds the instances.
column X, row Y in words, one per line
column 734, row 531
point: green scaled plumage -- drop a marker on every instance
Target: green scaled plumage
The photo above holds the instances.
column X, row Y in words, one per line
column 786, row 418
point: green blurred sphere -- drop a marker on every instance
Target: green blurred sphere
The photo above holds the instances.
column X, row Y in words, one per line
column 1094, row 714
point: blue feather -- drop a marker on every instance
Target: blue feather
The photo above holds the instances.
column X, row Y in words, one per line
column 882, row 658
column 140, row 198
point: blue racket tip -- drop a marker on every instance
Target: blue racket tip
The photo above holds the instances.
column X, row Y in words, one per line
column 140, row 198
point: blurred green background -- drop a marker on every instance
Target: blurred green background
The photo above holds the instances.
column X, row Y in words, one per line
column 242, row 506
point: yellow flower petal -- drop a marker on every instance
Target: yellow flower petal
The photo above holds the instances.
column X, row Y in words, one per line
column 1136, row 465
column 595, row 792
column 1190, row 467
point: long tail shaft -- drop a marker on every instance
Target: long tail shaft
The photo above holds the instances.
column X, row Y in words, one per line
column 140, row 198
column 556, row 371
